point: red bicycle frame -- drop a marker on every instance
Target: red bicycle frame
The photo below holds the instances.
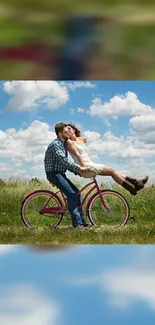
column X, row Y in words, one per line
column 63, row 209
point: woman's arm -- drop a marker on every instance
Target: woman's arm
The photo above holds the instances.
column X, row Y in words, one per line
column 71, row 148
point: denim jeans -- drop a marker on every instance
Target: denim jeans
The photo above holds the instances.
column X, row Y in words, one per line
column 70, row 68
column 70, row 190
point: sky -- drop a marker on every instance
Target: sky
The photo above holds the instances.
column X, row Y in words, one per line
column 116, row 117
column 87, row 284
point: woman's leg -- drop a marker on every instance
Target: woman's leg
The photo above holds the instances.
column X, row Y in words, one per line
column 118, row 177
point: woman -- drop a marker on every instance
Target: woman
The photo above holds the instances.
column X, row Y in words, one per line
column 77, row 147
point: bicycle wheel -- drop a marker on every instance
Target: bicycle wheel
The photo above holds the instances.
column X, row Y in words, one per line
column 31, row 209
column 118, row 213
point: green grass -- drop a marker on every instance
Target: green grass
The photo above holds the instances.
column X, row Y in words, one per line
column 139, row 230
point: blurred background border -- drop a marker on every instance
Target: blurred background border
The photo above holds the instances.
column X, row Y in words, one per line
column 77, row 40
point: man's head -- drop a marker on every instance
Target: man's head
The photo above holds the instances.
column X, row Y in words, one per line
column 61, row 130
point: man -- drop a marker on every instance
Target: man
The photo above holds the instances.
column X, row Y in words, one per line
column 56, row 164
column 80, row 38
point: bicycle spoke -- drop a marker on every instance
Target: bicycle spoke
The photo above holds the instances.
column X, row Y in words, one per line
column 117, row 214
column 32, row 210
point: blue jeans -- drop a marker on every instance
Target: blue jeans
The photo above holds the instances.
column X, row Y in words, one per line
column 70, row 190
column 70, row 68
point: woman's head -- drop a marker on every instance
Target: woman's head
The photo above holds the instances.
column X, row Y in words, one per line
column 73, row 130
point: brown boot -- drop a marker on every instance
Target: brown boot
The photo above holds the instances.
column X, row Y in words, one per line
column 145, row 180
column 138, row 183
column 129, row 187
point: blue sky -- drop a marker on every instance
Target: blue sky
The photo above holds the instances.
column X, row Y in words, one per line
column 117, row 118
column 84, row 284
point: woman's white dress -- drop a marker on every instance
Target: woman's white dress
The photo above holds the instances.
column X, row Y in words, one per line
column 83, row 151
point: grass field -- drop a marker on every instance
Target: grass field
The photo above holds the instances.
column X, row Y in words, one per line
column 139, row 230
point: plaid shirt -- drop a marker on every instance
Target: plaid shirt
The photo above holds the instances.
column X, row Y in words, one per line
column 56, row 158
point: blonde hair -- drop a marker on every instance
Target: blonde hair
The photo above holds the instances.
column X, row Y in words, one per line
column 77, row 130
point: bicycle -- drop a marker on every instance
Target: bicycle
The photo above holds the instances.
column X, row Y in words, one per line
column 103, row 207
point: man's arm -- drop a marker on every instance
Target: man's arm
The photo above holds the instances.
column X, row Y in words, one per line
column 60, row 154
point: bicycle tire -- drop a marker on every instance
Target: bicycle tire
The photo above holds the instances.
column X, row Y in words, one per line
column 111, row 192
column 31, row 196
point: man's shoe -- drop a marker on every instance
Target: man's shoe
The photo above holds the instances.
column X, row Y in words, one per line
column 87, row 224
column 80, row 227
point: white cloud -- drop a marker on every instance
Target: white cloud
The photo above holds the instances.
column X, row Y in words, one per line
column 119, row 147
column 20, row 173
column 142, row 123
column 128, row 285
column 26, row 145
column 119, row 105
column 4, row 249
column 29, row 95
column 92, row 136
column 143, row 128
column 78, row 84
column 17, row 162
column 80, row 110
column 139, row 162
column 107, row 122
column 4, row 167
column 23, row 304
column 37, row 167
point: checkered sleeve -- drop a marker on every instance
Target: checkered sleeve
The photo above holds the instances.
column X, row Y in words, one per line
column 60, row 154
